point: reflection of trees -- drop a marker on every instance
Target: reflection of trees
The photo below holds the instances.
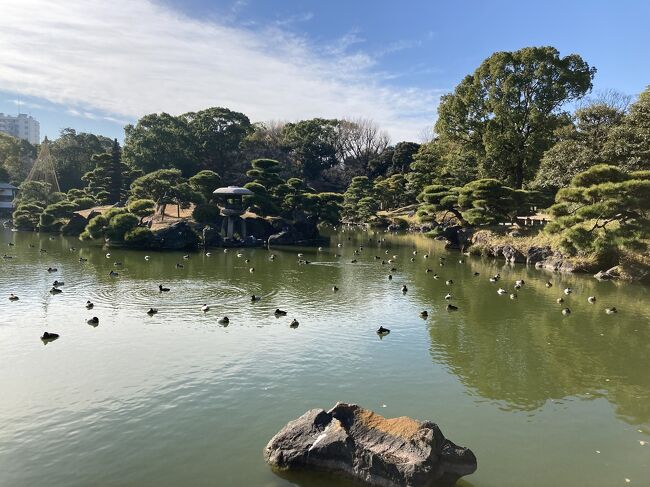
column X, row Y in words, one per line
column 526, row 354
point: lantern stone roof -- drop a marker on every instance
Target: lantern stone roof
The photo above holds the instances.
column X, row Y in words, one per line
column 233, row 190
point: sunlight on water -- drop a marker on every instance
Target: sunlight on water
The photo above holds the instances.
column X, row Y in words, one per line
column 176, row 398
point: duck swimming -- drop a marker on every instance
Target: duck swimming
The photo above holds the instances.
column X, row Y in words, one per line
column 186, row 257
column 179, row 266
column 48, row 337
column 279, row 312
column 152, row 311
column 335, row 289
column 162, row 289
column 94, row 321
column 502, row 291
column 568, row 291
column 383, row 331
column 404, row 288
column 436, row 276
column 519, row 282
column 549, row 284
column 89, row 305
column 255, row 298
column 390, row 276
column 424, row 314
column 591, row 299
column 251, row 270
column 113, row 274
column 449, row 282
column 81, row 259
column 448, row 296
column 513, row 296
column 224, row 321
column 147, row 257
column 611, row 311
column 13, row 297
column 560, row 300
column 477, row 273
column 108, row 256
column 451, row 307
column 205, row 308
column 58, row 283
column 52, row 269
column 294, row 323
column 55, row 290
column 566, row 311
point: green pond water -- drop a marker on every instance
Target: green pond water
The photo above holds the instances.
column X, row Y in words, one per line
column 177, row 399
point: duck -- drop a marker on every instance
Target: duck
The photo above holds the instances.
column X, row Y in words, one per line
column 451, row 307
column 72, row 249
column 208, row 254
column 279, row 312
column 255, row 298
column 58, row 283
column 424, row 314
column 224, row 321
column 502, row 291
column 13, row 297
column 89, row 305
column 186, row 257
column 304, row 262
column 247, row 261
column 5, row 256
column 43, row 250
column 548, row 284
column 113, row 274
column 560, row 300
column 436, row 276
column 239, row 255
column 377, row 257
column 390, row 277
column 251, row 270
column 163, row 289
column 448, row 296
column 52, row 269
column 320, row 249
column 294, row 323
column 568, row 291
column 513, row 296
column 117, row 264
column 335, row 289
column 611, row 311
column 11, row 244
column 427, row 271
column 225, row 251
column 383, row 331
column 415, row 252
column 55, row 290
column 147, row 257
column 404, row 288
column 94, row 321
column 493, row 279
column 48, row 337
column 519, row 282
column 517, row 286
column 426, row 256
column 566, row 311
column 461, row 261
column 152, row 311
column 477, row 273
column 179, row 266
column 205, row 308
column 412, row 259
column 108, row 256
column 81, row 259
column 353, row 261
column 272, row 257
column 339, row 245
column 591, row 299
column 449, row 282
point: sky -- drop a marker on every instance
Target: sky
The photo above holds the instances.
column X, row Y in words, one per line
column 95, row 65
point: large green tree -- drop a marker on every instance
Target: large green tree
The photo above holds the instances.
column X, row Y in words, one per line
column 580, row 145
column 111, row 178
column 16, row 158
column 161, row 141
column 72, row 152
column 629, row 143
column 312, row 145
column 504, row 114
column 604, row 209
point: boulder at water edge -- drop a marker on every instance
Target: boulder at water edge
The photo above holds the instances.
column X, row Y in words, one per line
column 378, row 451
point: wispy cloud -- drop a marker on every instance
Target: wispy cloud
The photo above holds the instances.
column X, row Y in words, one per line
column 126, row 58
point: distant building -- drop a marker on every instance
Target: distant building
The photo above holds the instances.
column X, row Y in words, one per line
column 7, row 196
column 21, row 126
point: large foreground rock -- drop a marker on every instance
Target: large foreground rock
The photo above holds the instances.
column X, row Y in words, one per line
column 375, row 450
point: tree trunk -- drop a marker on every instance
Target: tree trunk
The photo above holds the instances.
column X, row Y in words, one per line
column 519, row 174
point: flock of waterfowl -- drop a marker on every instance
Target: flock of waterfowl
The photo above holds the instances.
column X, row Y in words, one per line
column 381, row 331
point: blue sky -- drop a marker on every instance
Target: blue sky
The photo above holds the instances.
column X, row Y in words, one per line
column 95, row 65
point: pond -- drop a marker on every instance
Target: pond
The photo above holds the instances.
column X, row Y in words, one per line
column 176, row 398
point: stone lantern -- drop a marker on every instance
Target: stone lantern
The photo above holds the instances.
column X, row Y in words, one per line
column 231, row 206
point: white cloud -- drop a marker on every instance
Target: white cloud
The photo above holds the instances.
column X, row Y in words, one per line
column 126, row 58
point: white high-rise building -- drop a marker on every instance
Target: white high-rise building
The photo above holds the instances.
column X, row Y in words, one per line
column 22, row 126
